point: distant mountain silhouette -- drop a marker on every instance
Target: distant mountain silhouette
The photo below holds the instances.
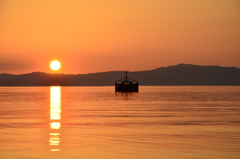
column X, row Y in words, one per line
column 182, row 74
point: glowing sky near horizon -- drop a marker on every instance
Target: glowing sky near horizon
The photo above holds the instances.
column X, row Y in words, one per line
column 107, row 35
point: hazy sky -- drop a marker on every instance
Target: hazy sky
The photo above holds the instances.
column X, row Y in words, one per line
column 107, row 35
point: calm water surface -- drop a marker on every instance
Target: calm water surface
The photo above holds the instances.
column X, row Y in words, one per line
column 184, row 122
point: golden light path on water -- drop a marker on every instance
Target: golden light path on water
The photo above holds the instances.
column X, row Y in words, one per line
column 55, row 117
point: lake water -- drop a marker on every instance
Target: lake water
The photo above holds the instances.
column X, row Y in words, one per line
column 168, row 122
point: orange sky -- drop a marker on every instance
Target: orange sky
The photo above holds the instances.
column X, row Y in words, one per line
column 107, row 35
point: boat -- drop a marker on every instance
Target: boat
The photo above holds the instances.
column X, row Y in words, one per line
column 126, row 84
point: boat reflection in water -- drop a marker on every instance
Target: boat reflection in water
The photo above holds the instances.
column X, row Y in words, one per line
column 55, row 117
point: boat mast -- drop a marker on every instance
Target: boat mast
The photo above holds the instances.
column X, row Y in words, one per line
column 126, row 77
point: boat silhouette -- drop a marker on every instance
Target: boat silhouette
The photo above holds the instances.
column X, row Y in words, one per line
column 126, row 84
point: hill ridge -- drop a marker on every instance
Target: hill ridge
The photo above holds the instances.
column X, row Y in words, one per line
column 181, row 74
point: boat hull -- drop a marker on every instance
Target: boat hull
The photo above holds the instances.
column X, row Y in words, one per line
column 126, row 87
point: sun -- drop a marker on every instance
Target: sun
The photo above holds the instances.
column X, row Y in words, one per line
column 55, row 65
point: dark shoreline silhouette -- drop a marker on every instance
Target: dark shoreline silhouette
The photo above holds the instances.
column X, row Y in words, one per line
column 182, row 74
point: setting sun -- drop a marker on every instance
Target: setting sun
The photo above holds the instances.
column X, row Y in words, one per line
column 55, row 65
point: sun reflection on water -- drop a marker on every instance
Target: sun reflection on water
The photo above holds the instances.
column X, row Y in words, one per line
column 54, row 139
column 55, row 116
column 55, row 102
column 55, row 125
